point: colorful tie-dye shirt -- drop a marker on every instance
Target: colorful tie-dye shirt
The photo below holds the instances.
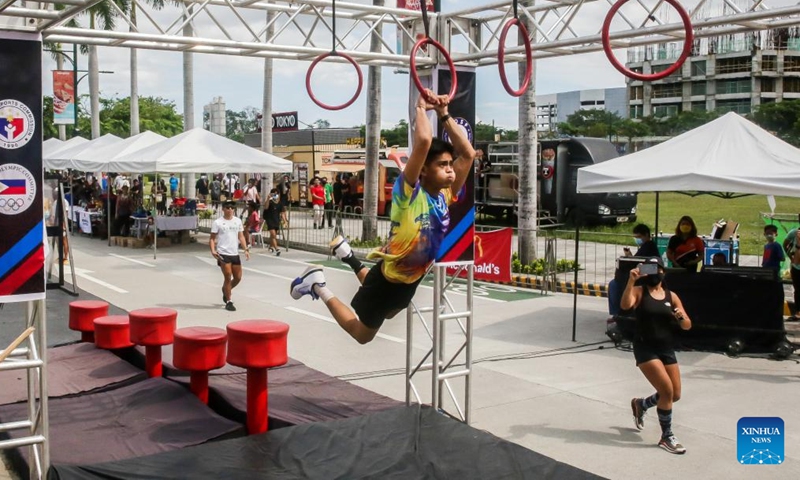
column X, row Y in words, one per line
column 419, row 223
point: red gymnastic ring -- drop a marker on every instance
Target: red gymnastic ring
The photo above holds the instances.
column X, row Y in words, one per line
column 415, row 75
column 501, row 57
column 311, row 70
column 687, row 44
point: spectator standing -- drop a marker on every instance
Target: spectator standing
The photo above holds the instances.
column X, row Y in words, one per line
column 317, row 202
column 328, row 201
column 173, row 186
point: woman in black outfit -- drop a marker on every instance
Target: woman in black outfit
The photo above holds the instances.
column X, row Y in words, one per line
column 658, row 311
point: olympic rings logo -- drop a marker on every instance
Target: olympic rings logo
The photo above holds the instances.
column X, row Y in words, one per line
column 11, row 204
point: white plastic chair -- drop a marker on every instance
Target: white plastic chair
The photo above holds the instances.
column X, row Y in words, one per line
column 258, row 235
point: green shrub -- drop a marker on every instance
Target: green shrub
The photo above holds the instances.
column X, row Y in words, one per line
column 537, row 267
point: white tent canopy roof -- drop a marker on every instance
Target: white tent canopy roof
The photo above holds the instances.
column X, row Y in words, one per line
column 49, row 152
column 98, row 159
column 198, row 151
column 64, row 158
column 729, row 154
column 51, row 145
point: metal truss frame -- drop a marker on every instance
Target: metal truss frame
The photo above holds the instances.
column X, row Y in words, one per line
column 446, row 366
column 31, row 357
column 302, row 28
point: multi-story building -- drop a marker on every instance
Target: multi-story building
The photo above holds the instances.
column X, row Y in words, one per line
column 733, row 73
column 554, row 108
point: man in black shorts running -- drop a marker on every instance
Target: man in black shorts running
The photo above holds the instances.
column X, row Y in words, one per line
column 227, row 233
column 432, row 180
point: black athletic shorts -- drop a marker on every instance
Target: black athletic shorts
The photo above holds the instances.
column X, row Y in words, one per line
column 379, row 298
column 644, row 352
column 273, row 226
column 232, row 259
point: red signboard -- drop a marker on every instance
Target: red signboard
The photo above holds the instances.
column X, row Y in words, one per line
column 492, row 256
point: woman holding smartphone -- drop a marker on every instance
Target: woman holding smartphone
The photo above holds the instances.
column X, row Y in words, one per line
column 657, row 310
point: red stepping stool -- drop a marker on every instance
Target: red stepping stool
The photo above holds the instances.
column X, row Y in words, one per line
column 153, row 328
column 198, row 350
column 112, row 332
column 257, row 345
column 82, row 314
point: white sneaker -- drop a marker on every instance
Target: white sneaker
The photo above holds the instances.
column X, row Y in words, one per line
column 340, row 248
column 304, row 284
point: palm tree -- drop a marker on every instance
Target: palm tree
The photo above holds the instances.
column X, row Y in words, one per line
column 373, row 139
column 104, row 15
column 158, row 5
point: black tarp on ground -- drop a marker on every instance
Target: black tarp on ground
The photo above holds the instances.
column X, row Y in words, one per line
column 72, row 370
column 297, row 395
column 12, row 318
column 148, row 417
column 401, row 443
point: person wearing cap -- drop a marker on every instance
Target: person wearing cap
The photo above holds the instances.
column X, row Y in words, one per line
column 227, row 233
column 658, row 311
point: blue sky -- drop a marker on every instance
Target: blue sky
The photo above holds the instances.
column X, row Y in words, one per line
column 239, row 80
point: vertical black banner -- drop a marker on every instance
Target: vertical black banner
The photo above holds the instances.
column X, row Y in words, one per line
column 458, row 244
column 21, row 209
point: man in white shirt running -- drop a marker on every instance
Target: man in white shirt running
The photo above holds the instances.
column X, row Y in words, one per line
column 227, row 233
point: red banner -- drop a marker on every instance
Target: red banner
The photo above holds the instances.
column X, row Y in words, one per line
column 492, row 256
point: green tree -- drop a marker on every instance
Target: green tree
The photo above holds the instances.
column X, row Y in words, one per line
column 156, row 114
column 591, row 123
column 321, row 123
column 241, row 122
column 781, row 118
column 49, row 130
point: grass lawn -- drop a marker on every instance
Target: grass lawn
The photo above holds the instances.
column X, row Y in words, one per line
column 705, row 210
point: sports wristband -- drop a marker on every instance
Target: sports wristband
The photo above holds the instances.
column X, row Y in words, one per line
column 445, row 117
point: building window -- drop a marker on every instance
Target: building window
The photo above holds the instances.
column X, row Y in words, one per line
column 698, row 88
column 667, row 90
column 666, row 110
column 636, row 93
column 791, row 85
column 734, row 86
column 698, row 106
column 734, row 65
column 635, row 111
column 768, row 85
column 636, row 69
column 741, row 106
column 769, row 63
column 699, row 68
column 767, row 100
column 791, row 64
column 661, row 68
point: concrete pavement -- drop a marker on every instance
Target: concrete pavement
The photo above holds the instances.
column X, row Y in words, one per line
column 532, row 384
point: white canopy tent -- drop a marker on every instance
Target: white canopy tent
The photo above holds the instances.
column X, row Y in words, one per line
column 51, row 145
column 64, row 157
column 727, row 155
column 199, row 151
column 98, row 159
column 50, row 149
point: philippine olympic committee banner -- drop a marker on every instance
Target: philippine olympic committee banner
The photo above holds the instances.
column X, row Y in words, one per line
column 21, row 209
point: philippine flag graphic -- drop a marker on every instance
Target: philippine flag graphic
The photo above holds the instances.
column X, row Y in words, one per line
column 12, row 127
column 12, row 187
